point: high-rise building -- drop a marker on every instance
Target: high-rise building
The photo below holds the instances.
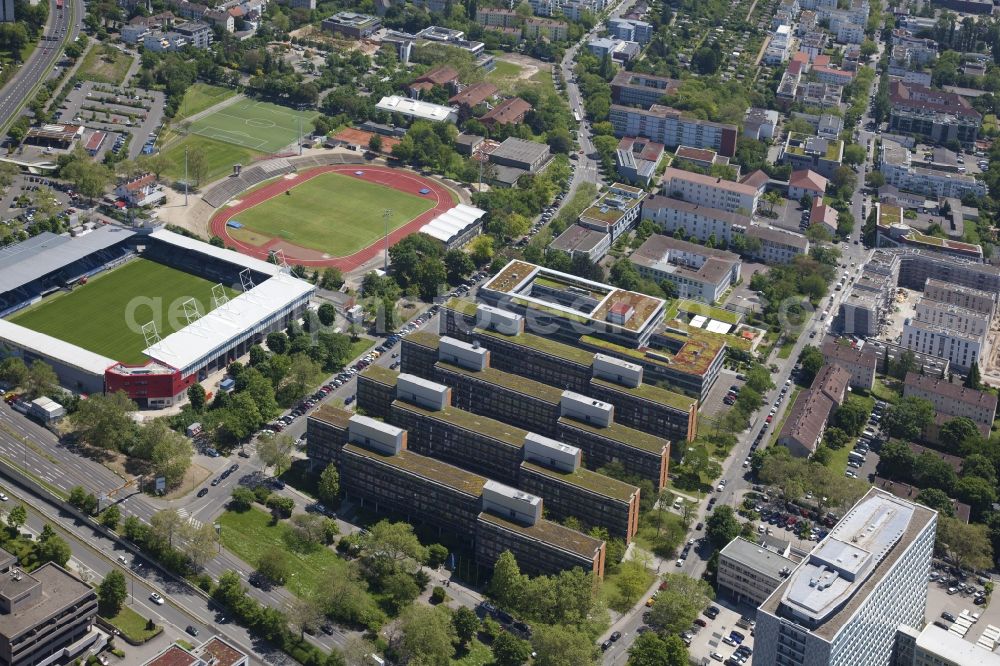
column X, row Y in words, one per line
column 845, row 601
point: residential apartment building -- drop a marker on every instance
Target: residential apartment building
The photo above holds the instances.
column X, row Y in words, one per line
column 645, row 90
column 806, row 183
column 961, row 349
column 860, row 363
column 671, row 128
column 700, row 273
column 976, row 300
column 776, row 246
column 498, row 17
column 950, row 316
column 806, row 421
column 710, row 191
column 637, row 159
column 630, row 30
column 895, row 163
column 696, row 221
column 749, row 573
column 861, row 312
column 615, row 211
column 934, row 646
column 543, row 28
column 953, row 400
column 935, row 115
column 777, row 49
column 916, row 266
column 197, row 33
column 843, row 604
column 45, row 615
column 813, row 153
column 759, row 124
column 580, row 240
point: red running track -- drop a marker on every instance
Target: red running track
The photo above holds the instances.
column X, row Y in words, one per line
column 403, row 181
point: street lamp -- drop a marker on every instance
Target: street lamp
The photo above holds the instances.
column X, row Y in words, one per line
column 386, row 214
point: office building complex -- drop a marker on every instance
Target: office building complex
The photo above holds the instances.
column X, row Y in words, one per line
column 46, row 616
column 896, row 164
column 615, row 211
column 934, row 646
column 936, row 115
column 699, row 273
column 670, row 127
column 749, row 572
column 696, row 221
column 843, row 604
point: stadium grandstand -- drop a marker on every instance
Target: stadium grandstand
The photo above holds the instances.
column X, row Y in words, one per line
column 457, row 226
column 267, row 299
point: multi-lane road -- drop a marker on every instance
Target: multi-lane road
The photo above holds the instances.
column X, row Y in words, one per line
column 62, row 25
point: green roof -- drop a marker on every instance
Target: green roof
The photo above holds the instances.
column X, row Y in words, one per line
column 427, row 468
column 592, row 481
column 335, row 416
column 463, row 305
column 424, row 339
column 694, row 307
column 651, row 393
column 544, row 345
column 380, row 374
column 550, row 533
column 517, row 383
column 694, row 357
column 619, row 433
column 472, row 422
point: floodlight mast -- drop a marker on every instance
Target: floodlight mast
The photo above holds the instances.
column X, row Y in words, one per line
column 150, row 334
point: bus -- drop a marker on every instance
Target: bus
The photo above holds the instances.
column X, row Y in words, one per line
column 576, row 114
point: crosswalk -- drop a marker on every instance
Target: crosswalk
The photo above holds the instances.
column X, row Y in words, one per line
column 184, row 514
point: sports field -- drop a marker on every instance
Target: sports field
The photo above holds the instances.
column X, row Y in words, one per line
column 334, row 214
column 261, row 126
column 100, row 315
column 220, row 157
column 199, row 97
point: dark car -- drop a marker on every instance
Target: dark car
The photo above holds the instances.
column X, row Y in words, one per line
column 615, row 636
column 948, row 616
column 234, row 467
column 712, row 612
column 605, row 645
column 699, row 526
column 202, row 492
column 191, row 629
column 216, row 481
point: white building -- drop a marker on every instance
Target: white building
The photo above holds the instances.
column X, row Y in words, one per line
column 935, row 646
column 961, row 349
column 699, row 273
column 951, row 316
column 417, row 110
column 777, row 48
column 899, row 171
column 701, row 222
column 843, row 604
column 750, row 572
column 711, row 191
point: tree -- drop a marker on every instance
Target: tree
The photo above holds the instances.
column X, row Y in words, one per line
column 105, row 421
column 375, row 143
column 979, row 465
column 111, row 517
column 390, row 547
column 562, row 645
column 678, row 604
column 202, row 545
column 241, row 499
column 196, row 396
column 52, row 548
column 275, row 451
column 165, row 524
column 331, row 279
column 458, row 265
column 327, row 314
column 812, row 360
column 277, row 342
column 197, row 165
column 466, row 624
column 111, row 593
column 329, row 485
column 978, row 493
column 427, row 635
column 854, row 154
column 759, row 379
column 967, row 545
column 273, row 566
column 936, row 499
column 17, row 516
column 509, row 650
column 280, row 507
column 845, row 180
column 305, row 614
column 649, row 649
column 13, row 371
column 955, row 433
column 908, row 418
column 973, row 379
column 308, row 528
column 632, row 580
column 81, row 499
column 722, row 526
column 852, row 415
column 168, row 452
column 507, row 584
column 41, row 379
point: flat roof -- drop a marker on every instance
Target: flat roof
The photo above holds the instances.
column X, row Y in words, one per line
column 422, row 338
column 550, row 533
column 651, row 393
column 957, row 650
column 544, row 346
column 521, row 150
column 23, row 263
column 426, row 468
column 506, row 380
column 755, row 556
column 59, row 590
column 335, row 416
column 460, row 418
column 381, row 374
column 587, row 480
column 619, row 433
column 213, row 332
column 229, row 256
column 416, row 108
column 54, row 348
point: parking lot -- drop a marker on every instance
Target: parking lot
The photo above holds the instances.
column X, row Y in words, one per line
column 714, row 637
column 132, row 112
column 940, row 601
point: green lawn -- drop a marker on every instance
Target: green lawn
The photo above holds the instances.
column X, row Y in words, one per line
column 133, row 625
column 258, row 125
column 882, row 391
column 250, row 534
column 786, row 348
column 220, row 157
column 201, row 96
column 101, row 316
column 613, row 595
column 478, row 654
column 839, row 457
column 334, row 214
column 104, row 64
column 503, row 71
column 776, row 426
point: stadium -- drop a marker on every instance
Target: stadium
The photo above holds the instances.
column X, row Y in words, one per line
column 147, row 312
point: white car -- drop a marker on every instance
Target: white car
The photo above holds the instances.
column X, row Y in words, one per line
column 3, row 498
column 156, row 599
column 123, row 560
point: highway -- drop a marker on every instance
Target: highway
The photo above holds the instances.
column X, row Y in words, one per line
column 62, row 25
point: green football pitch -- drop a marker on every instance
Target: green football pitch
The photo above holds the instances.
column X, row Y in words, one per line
column 105, row 315
column 258, row 125
column 331, row 213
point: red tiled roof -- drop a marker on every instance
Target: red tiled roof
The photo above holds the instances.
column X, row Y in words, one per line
column 140, row 182
column 808, row 179
column 508, row 111
column 173, row 656
column 915, row 96
column 475, row 94
column 439, row 76
column 221, row 652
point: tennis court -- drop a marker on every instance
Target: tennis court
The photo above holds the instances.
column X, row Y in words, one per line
column 261, row 126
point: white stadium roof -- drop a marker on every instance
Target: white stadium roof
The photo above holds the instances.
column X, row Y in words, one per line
column 54, row 348
column 244, row 315
column 202, row 247
column 453, row 222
